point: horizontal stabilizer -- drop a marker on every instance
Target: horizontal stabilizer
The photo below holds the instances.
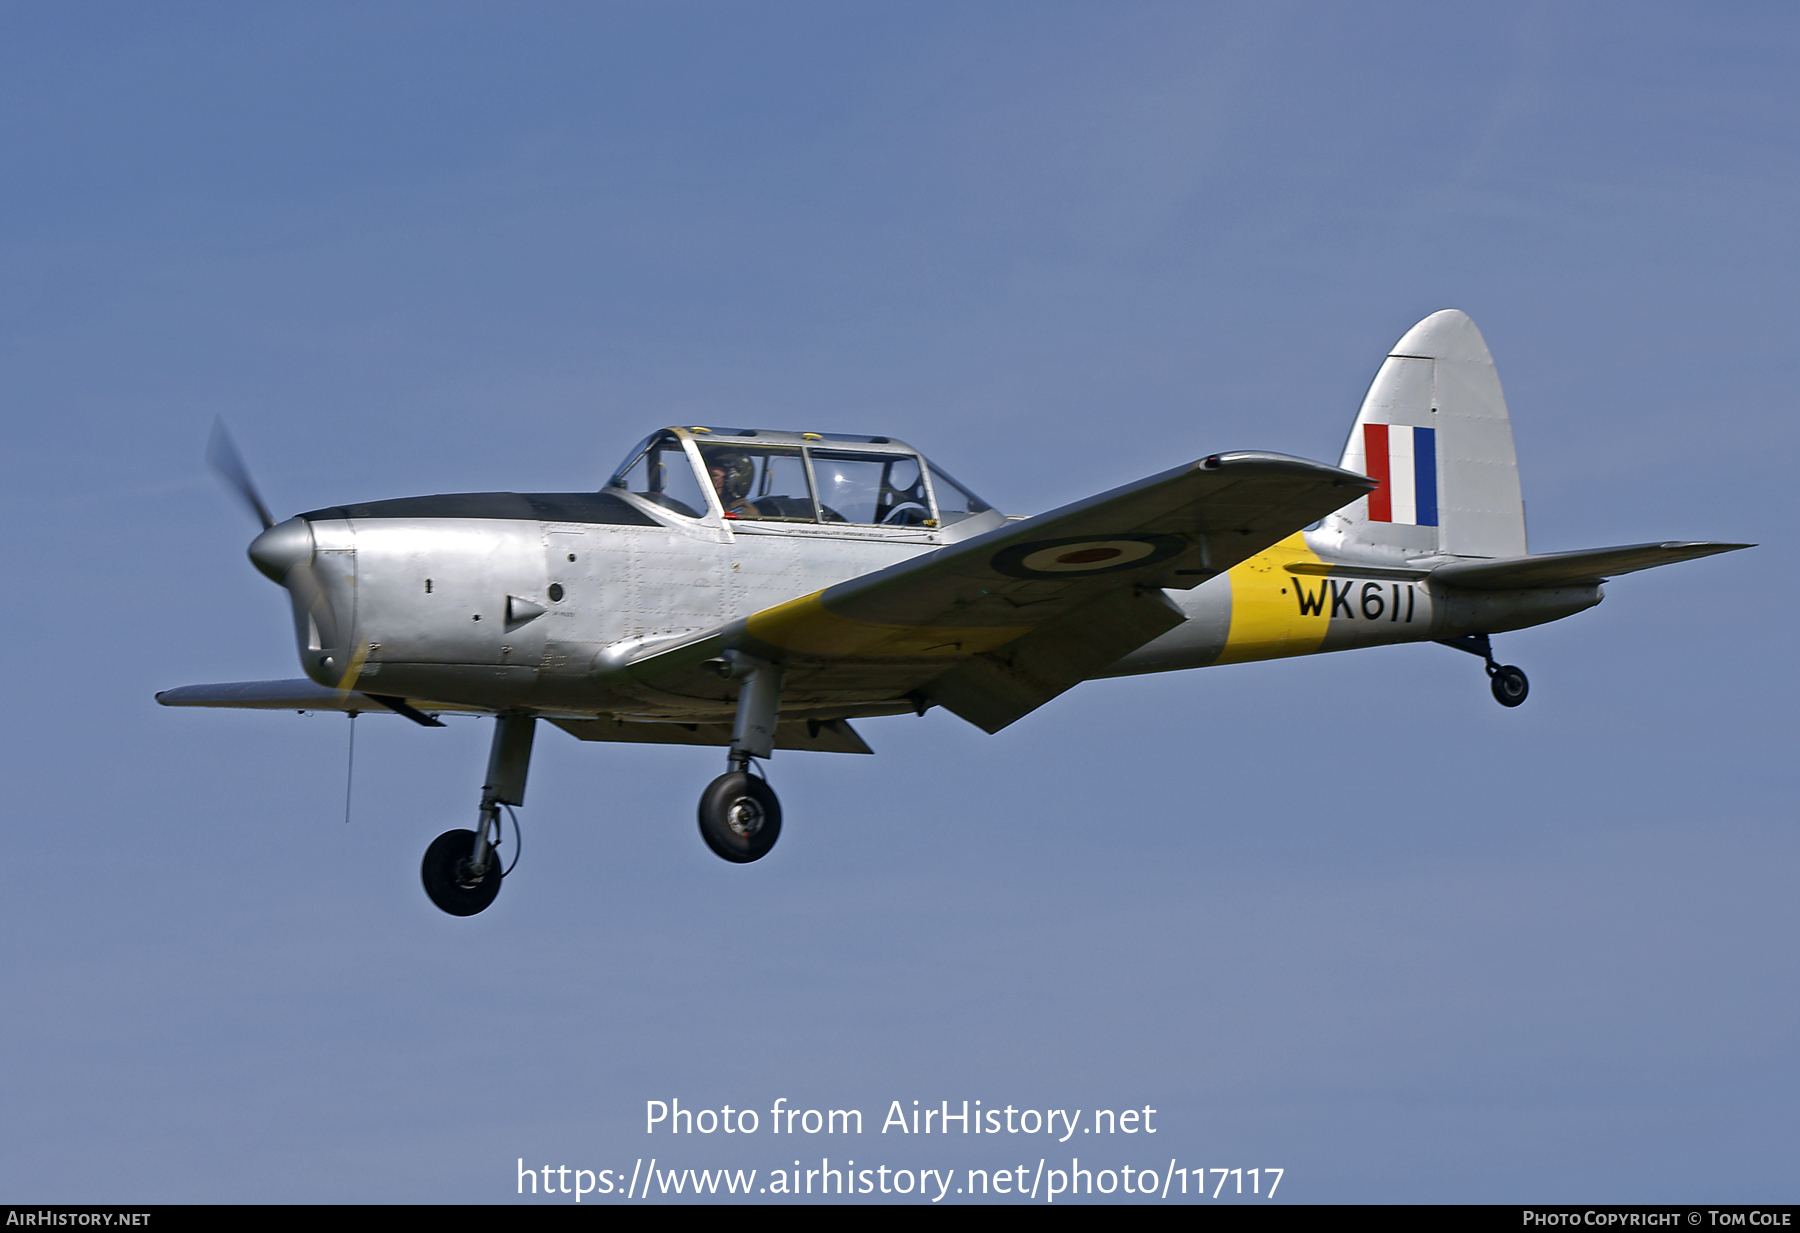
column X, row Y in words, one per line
column 823, row 735
column 1561, row 569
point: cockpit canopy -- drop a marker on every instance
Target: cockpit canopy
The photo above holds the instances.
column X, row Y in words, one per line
column 807, row 477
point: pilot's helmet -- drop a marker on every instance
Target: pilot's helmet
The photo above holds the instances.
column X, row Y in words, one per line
column 736, row 469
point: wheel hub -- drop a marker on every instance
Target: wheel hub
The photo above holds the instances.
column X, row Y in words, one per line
column 745, row 817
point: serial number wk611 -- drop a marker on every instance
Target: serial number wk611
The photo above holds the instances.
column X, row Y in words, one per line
column 1352, row 598
column 671, row 1118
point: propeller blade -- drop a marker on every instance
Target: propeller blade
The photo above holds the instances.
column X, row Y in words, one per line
column 222, row 454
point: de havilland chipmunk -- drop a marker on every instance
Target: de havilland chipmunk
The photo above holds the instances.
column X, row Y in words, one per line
column 757, row 589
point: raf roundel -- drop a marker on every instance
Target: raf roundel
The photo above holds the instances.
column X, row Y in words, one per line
column 1058, row 558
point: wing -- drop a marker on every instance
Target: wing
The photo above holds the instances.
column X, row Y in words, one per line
column 995, row 626
column 829, row 736
column 297, row 695
column 1561, row 569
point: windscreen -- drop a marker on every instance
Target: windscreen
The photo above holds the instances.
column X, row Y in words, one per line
column 659, row 471
column 954, row 502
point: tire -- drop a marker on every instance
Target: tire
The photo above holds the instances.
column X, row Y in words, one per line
column 1509, row 686
column 442, row 873
column 740, row 819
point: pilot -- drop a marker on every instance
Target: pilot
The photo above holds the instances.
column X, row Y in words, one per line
column 732, row 473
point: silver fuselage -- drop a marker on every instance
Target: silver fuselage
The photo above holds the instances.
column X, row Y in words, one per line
column 522, row 612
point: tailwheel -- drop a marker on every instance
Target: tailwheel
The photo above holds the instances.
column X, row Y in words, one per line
column 449, row 880
column 740, row 819
column 1509, row 685
column 1507, row 682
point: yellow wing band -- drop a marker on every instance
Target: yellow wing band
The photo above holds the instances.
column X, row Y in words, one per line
column 808, row 626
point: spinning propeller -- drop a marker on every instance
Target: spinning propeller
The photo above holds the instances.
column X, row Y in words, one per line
column 222, row 454
column 280, row 548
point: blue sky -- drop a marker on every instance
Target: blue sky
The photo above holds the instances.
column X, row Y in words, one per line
column 1340, row 915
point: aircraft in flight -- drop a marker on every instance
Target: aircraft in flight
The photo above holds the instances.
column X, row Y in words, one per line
column 757, row 590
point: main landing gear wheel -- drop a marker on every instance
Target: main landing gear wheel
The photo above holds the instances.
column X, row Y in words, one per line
column 1509, row 685
column 447, row 878
column 740, row 819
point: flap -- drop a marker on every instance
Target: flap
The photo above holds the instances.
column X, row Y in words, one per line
column 1558, row 569
column 822, row 735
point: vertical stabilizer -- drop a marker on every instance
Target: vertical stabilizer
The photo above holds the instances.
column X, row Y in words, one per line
column 1434, row 431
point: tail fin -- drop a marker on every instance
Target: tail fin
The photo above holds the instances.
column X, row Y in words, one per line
column 1434, row 431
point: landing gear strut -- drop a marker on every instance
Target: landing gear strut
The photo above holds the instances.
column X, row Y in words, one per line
column 740, row 819
column 1507, row 682
column 461, row 870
